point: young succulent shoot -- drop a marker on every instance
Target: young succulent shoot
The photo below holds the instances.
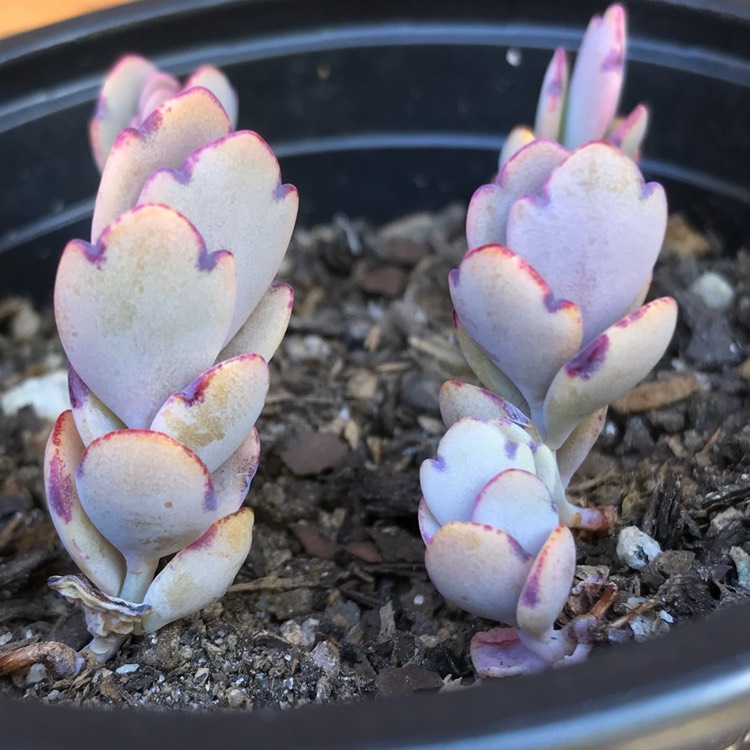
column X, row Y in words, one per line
column 495, row 545
column 134, row 88
column 574, row 109
column 168, row 318
column 562, row 249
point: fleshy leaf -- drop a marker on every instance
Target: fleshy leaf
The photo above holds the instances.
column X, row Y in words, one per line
column 458, row 400
column 232, row 479
column 504, row 304
column 131, row 339
column 486, row 370
column 593, row 234
column 524, row 174
column 93, row 419
column 548, row 585
column 218, row 84
column 629, row 134
column 501, row 653
column 608, row 367
column 519, row 503
column 428, row 524
column 515, row 140
column 546, row 466
column 117, row 103
column 571, row 453
column 156, row 90
column 597, row 78
column 90, row 551
column 214, row 414
column 263, row 331
column 257, row 212
column 551, row 106
column 148, row 494
column 201, row 573
column 469, row 455
column 166, row 138
column 479, row 568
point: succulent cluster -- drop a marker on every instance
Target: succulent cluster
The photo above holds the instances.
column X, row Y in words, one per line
column 170, row 313
column 168, row 317
column 549, row 313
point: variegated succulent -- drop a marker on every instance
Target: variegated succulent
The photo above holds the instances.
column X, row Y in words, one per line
column 168, row 318
column 574, row 109
column 549, row 313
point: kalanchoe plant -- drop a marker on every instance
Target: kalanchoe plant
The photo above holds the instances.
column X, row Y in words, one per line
column 549, row 313
column 574, row 109
column 168, row 318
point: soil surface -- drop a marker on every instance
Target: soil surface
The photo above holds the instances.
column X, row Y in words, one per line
column 333, row 603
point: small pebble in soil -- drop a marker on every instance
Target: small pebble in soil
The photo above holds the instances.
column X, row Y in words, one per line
column 715, row 291
column 48, row 394
column 741, row 561
column 636, row 548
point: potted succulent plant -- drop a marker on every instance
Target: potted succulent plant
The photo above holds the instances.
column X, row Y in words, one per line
column 281, row 30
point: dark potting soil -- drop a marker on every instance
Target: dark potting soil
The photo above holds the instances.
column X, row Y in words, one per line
column 333, row 603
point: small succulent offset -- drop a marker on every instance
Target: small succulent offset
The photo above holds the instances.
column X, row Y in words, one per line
column 168, row 318
column 549, row 313
column 135, row 88
column 574, row 109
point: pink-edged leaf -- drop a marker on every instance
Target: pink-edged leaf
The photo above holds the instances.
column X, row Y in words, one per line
column 628, row 134
column 165, row 139
column 144, row 311
column 156, row 90
column 640, row 297
column 479, row 568
column 117, row 103
column 148, row 494
column 524, row 174
column 571, row 453
column 458, row 400
column 428, row 524
column 504, row 305
column 608, row 367
column 218, row 84
column 551, row 106
column 215, row 413
column 519, row 137
column 469, row 455
column 263, row 331
column 520, row 504
column 501, row 653
column 93, row 419
column 157, row 81
column 548, row 584
column 233, row 478
column 91, row 552
column 597, row 77
column 200, row 573
column 593, row 234
column 231, row 191
column 488, row 373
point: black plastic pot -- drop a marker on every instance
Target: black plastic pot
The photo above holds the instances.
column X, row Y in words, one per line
column 380, row 109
